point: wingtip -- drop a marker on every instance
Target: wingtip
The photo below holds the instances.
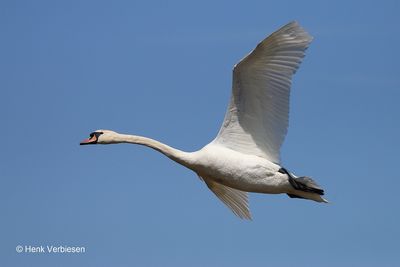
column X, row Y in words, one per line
column 297, row 29
column 246, row 217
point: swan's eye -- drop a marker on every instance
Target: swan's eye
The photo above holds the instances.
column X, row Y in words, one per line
column 91, row 135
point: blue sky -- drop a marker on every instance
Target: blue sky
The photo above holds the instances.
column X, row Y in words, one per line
column 163, row 69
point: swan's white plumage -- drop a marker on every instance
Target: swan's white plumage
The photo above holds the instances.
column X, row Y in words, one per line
column 234, row 199
column 257, row 117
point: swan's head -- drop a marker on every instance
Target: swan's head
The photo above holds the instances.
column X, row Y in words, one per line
column 101, row 137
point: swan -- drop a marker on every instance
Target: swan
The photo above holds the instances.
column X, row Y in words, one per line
column 244, row 156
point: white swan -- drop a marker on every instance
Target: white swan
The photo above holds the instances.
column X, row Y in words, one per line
column 244, row 157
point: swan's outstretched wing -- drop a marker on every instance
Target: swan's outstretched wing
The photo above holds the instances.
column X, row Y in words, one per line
column 234, row 199
column 257, row 118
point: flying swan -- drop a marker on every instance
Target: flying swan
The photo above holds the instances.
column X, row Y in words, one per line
column 244, row 157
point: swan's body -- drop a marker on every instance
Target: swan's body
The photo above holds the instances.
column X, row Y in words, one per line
column 244, row 157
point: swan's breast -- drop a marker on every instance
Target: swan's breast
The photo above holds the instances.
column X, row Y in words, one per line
column 233, row 168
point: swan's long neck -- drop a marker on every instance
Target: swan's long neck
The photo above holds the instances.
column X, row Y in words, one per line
column 177, row 155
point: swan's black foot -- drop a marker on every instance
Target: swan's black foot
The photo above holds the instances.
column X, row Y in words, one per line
column 284, row 171
column 305, row 184
column 292, row 180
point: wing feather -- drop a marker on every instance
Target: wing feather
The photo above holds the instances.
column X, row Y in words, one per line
column 256, row 121
column 235, row 200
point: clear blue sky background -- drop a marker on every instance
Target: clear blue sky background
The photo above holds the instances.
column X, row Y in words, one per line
column 163, row 69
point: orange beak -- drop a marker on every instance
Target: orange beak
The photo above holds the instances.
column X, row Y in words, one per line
column 88, row 141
